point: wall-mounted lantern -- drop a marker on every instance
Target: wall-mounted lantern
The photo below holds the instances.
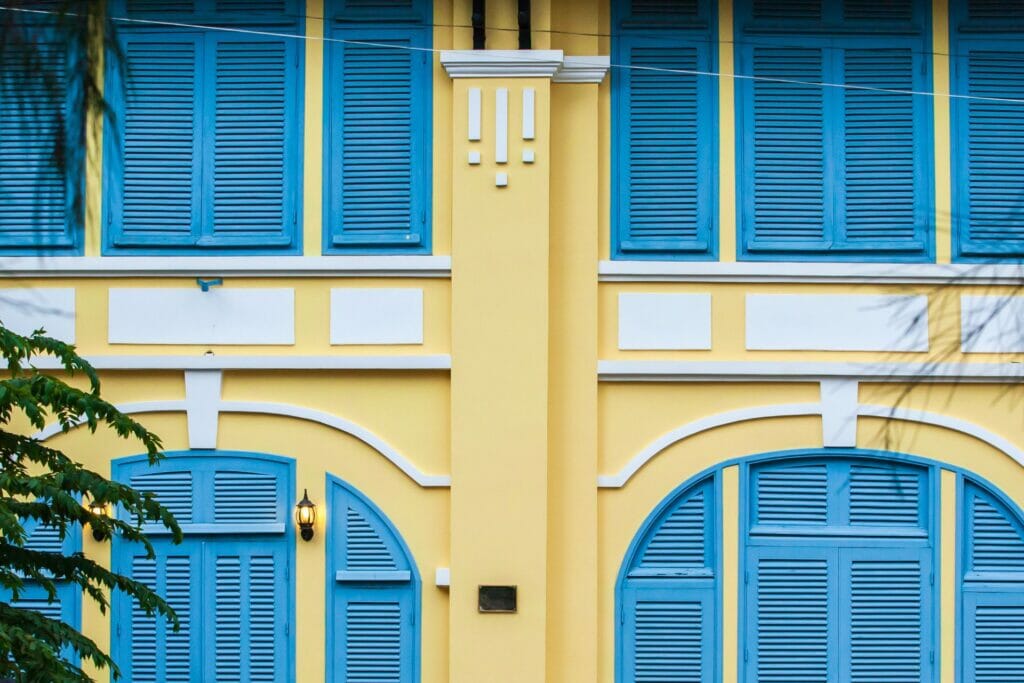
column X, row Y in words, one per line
column 305, row 516
column 100, row 510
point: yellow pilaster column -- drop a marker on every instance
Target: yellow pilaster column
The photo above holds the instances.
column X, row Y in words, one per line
column 499, row 377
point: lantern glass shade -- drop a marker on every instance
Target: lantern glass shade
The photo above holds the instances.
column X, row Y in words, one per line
column 305, row 516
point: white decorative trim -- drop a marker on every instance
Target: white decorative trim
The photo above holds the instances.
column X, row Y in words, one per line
column 590, row 69
column 952, row 423
column 529, row 110
column 474, row 115
column 992, row 324
column 874, row 273
column 664, row 321
column 381, row 315
column 702, row 425
column 839, row 412
column 501, row 126
column 351, row 428
column 235, row 362
column 297, row 412
column 202, row 401
column 226, row 266
column 761, row 371
column 442, row 577
column 176, row 315
column 836, row 322
column 24, row 310
column 501, row 63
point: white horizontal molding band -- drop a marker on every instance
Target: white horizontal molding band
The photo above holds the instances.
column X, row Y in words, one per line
column 213, row 362
column 873, row 273
column 263, row 408
column 836, row 322
column 551, row 64
column 23, row 310
column 226, row 266
column 764, row 371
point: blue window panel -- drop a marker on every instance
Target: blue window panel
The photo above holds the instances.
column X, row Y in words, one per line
column 669, row 634
column 988, row 150
column 834, row 173
column 835, row 16
column 994, row 538
column 38, row 110
column 373, row 591
column 993, row 642
column 205, row 156
column 660, row 14
column 378, row 11
column 378, row 179
column 665, row 149
column 246, row 11
column 682, row 541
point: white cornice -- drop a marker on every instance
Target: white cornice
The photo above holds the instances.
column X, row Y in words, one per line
column 226, row 266
column 238, row 362
column 551, row 64
column 766, row 371
column 582, row 70
column 853, row 273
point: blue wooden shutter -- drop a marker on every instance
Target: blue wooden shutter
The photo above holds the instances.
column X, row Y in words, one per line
column 789, row 10
column 995, row 539
column 791, row 494
column 36, row 198
column 665, row 203
column 682, row 538
column 244, row 600
column 993, row 648
column 373, row 631
column 886, row 613
column 990, row 166
column 155, row 187
column 252, row 133
column 791, row 614
column 785, row 206
column 885, row 496
column 883, row 209
column 157, row 653
column 172, row 489
column 241, row 497
column 873, row 11
column 380, row 169
column 670, row 635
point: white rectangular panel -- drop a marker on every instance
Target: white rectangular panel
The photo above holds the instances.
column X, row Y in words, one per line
column 474, row 114
column 24, row 310
column 376, row 316
column 528, row 113
column 837, row 322
column 192, row 316
column 664, row 321
column 501, row 126
column 992, row 324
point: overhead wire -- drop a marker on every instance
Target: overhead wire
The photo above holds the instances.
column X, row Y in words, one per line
column 527, row 58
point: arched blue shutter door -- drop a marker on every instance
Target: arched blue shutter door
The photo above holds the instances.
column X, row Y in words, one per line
column 374, row 602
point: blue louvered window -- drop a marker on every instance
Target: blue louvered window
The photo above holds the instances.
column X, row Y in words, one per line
column 669, row 594
column 834, row 173
column 992, row 587
column 229, row 581
column 665, row 115
column 373, row 623
column 838, row 577
column 987, row 130
column 40, row 147
column 377, row 146
column 205, row 153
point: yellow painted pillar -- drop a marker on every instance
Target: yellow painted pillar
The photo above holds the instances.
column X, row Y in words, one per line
column 499, row 381
column 947, row 578
column 730, row 574
column 572, row 472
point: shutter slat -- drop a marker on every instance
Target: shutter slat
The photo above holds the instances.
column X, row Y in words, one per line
column 680, row 539
column 365, row 549
column 159, row 654
column 885, row 496
column 374, row 641
column 886, row 621
column 880, row 168
column 995, row 542
column 792, row 494
column 803, row 10
column 788, row 148
column 669, row 642
column 245, row 497
column 173, row 490
column 250, row 147
column 994, row 646
column 792, row 620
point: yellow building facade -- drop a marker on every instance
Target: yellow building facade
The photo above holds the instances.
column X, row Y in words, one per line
column 526, row 405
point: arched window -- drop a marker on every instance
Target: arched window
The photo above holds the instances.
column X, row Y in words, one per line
column 669, row 592
column 992, row 587
column 230, row 580
column 373, row 593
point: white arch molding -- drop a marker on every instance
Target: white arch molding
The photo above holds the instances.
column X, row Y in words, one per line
column 202, row 405
column 830, row 412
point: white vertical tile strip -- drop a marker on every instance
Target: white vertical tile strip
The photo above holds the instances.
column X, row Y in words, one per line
column 528, row 113
column 839, row 404
column 474, row 114
column 202, row 406
column 501, row 126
